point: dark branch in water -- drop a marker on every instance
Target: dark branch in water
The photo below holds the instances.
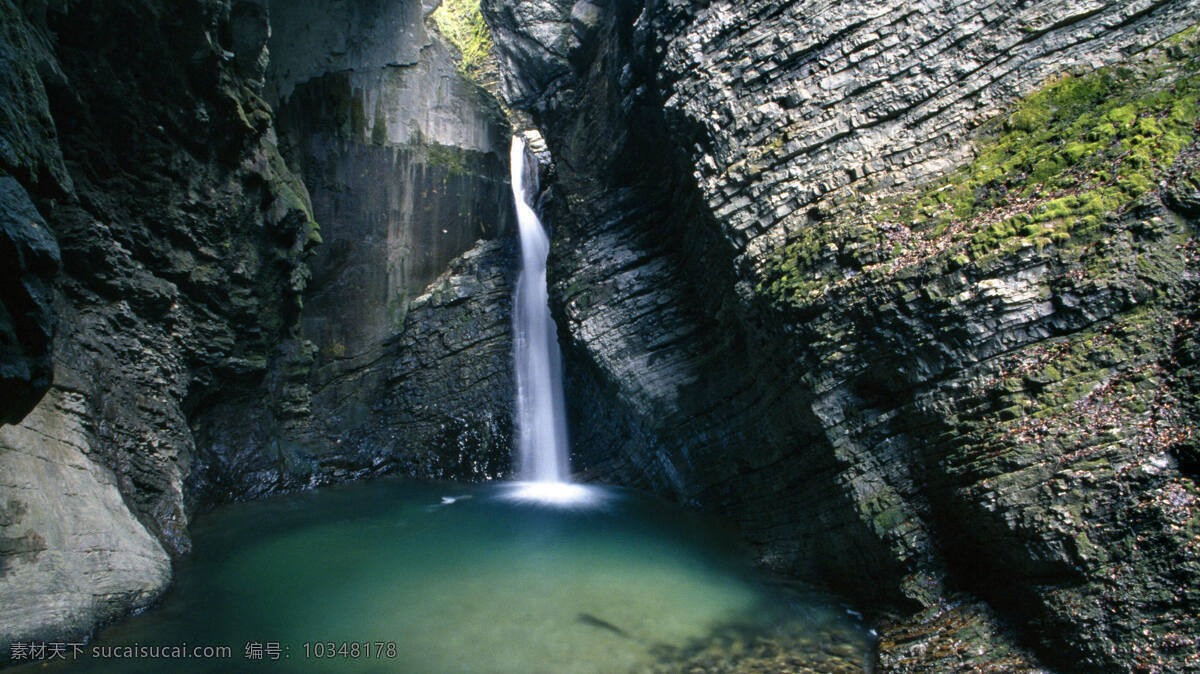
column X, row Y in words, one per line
column 589, row 619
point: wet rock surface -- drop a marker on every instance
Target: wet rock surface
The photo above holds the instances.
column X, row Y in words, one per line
column 959, row 634
column 875, row 427
column 432, row 401
column 402, row 356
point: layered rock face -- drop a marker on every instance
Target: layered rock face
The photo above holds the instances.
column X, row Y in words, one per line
column 925, row 408
column 151, row 166
column 403, row 356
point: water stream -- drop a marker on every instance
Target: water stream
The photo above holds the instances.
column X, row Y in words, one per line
column 541, row 414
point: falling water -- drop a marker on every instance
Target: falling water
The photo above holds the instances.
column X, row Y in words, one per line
column 541, row 418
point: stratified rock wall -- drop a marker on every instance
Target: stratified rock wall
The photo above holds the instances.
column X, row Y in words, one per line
column 877, row 96
column 842, row 423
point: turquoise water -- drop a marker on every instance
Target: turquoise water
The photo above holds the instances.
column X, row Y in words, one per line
column 437, row 578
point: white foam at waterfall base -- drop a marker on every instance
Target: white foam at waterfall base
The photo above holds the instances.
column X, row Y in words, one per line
column 561, row 494
column 541, row 415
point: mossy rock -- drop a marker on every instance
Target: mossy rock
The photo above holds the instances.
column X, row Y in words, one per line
column 462, row 24
column 1045, row 175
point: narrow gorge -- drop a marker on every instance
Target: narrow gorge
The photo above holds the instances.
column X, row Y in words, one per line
column 905, row 293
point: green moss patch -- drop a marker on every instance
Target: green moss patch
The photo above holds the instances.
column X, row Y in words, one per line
column 1078, row 149
column 461, row 22
column 456, row 160
column 1082, row 148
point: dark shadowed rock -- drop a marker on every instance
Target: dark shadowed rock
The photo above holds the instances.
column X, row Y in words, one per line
column 182, row 238
column 29, row 260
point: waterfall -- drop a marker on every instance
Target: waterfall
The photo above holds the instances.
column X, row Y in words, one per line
column 541, row 412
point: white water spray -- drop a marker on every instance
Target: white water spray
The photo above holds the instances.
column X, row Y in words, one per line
column 541, row 412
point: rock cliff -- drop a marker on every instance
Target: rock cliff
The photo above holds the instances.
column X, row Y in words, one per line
column 904, row 288
column 174, row 332
column 401, row 359
column 146, row 173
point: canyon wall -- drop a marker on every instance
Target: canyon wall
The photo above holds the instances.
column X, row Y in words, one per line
column 178, row 331
column 401, row 360
column 855, row 276
column 146, row 174
column 792, row 289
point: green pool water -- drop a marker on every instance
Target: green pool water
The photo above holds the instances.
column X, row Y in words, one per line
column 392, row 576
